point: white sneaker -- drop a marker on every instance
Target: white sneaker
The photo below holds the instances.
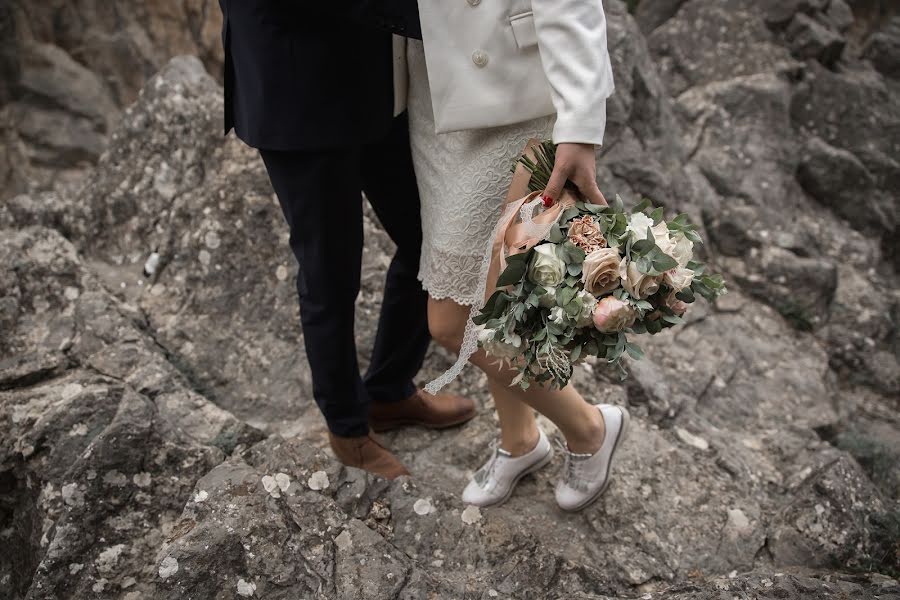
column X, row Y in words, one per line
column 586, row 476
column 493, row 483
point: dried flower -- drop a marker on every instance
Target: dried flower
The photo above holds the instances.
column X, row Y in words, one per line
column 585, row 233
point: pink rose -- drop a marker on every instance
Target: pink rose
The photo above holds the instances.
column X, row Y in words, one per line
column 612, row 315
column 677, row 306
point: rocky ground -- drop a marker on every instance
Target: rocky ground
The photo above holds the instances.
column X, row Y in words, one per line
column 157, row 434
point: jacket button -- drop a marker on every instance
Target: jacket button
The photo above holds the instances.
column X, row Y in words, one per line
column 480, row 58
column 473, row 2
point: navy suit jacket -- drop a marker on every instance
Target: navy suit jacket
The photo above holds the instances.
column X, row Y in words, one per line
column 311, row 74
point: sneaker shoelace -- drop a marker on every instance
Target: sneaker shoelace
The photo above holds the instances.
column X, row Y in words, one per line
column 572, row 476
column 486, row 472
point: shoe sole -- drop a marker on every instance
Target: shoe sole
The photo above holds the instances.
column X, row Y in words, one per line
column 623, row 433
column 543, row 462
column 384, row 427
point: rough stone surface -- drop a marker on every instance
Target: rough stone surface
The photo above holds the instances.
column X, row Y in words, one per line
column 69, row 66
column 158, row 437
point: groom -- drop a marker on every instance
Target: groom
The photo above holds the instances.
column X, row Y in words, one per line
column 310, row 85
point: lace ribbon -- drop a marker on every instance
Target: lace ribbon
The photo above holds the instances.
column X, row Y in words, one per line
column 532, row 230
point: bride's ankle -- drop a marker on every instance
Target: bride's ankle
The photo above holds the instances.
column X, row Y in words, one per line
column 521, row 445
column 588, row 437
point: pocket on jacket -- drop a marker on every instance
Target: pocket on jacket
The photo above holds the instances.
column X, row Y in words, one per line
column 523, row 29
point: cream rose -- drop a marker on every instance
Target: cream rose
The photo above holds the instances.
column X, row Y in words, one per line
column 638, row 285
column 546, row 268
column 662, row 239
column 612, row 315
column 600, row 271
column 678, row 278
column 683, row 250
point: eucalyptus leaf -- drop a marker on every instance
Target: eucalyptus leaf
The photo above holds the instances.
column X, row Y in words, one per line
column 514, row 272
column 634, row 351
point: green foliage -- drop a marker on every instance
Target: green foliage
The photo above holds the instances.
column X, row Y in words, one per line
column 551, row 331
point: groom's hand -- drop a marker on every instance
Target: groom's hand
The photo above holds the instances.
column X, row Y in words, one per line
column 577, row 163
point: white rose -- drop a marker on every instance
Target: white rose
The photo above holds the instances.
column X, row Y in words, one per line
column 588, row 302
column 678, row 278
column 638, row 223
column 683, row 251
column 546, row 268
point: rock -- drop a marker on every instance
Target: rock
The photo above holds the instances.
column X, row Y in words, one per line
column 714, row 40
column 798, row 287
column 170, row 370
column 101, row 437
column 779, row 13
column 823, row 95
column 838, row 180
column 839, row 15
column 883, row 49
column 809, row 39
column 651, row 15
column 783, row 586
column 323, row 549
column 68, row 69
column 827, row 521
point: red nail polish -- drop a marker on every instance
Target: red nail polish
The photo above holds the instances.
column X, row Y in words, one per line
column 548, row 201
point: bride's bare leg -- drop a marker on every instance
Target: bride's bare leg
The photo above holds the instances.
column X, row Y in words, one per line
column 518, row 429
column 579, row 421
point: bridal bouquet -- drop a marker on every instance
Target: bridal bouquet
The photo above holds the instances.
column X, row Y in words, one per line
column 598, row 275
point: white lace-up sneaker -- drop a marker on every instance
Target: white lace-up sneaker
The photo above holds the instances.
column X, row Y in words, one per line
column 586, row 476
column 494, row 482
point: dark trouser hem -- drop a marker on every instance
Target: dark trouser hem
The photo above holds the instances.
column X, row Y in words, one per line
column 320, row 195
column 348, row 428
column 395, row 393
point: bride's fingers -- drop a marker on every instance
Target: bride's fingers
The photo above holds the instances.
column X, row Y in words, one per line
column 588, row 187
column 557, row 181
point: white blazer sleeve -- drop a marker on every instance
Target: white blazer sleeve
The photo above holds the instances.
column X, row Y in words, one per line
column 572, row 41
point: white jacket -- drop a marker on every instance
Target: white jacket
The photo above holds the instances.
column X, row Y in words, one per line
column 497, row 62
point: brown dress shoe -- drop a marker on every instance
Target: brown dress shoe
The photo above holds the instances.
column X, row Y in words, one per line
column 428, row 410
column 366, row 453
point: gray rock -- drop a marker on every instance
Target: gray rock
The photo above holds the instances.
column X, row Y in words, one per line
column 838, row 179
column 810, row 39
column 883, row 49
column 827, row 521
column 779, row 13
column 730, row 445
column 101, row 439
column 651, row 15
column 714, row 40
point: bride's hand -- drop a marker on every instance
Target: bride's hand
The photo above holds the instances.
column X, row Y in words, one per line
column 575, row 162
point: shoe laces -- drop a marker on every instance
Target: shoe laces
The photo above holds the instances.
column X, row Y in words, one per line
column 486, row 472
column 572, row 476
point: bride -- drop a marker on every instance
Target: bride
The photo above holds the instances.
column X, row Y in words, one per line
column 485, row 78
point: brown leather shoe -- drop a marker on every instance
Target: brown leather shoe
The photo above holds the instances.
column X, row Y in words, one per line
column 366, row 453
column 428, row 410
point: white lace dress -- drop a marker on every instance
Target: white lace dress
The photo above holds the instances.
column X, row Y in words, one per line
column 463, row 179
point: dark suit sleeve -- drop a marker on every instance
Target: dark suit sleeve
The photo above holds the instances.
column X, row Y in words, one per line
column 397, row 16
